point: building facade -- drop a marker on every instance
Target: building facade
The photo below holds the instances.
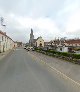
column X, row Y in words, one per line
column 18, row 44
column 68, row 45
column 6, row 43
column 39, row 42
column 62, row 49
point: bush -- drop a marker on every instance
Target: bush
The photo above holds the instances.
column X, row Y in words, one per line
column 76, row 56
column 63, row 55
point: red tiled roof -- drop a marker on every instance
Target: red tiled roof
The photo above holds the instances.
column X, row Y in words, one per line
column 73, row 41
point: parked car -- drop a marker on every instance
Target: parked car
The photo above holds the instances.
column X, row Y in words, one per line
column 29, row 49
column 24, row 47
column 33, row 49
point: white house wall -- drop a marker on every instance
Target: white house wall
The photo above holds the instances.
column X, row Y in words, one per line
column 64, row 49
column 40, row 40
column 6, row 43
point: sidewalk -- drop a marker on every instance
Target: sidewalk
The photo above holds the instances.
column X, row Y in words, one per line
column 2, row 55
column 69, row 69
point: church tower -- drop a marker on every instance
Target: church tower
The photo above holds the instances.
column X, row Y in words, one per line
column 31, row 35
column 31, row 38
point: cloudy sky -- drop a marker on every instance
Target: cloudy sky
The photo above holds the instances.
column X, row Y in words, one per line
column 48, row 18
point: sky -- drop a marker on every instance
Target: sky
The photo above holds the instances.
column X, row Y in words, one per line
column 48, row 18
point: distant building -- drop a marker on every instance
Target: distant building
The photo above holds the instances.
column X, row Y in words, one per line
column 68, row 45
column 39, row 42
column 73, row 42
column 18, row 44
column 47, row 46
column 57, row 45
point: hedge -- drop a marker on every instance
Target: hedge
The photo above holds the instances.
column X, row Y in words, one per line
column 64, row 55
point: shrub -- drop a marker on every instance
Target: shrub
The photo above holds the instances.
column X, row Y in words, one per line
column 63, row 55
column 76, row 56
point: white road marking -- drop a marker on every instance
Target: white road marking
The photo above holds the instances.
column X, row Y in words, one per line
column 64, row 75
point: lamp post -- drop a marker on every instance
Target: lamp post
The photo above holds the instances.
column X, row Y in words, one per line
column 2, row 23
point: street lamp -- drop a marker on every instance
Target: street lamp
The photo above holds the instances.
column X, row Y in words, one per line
column 2, row 23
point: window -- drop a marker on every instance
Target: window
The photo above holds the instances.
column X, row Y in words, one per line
column 60, row 49
column 5, row 38
column 2, row 38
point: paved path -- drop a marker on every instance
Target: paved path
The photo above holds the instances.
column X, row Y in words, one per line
column 20, row 72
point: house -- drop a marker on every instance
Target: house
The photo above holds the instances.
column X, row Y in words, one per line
column 62, row 49
column 19, row 44
column 6, row 43
column 57, row 45
column 39, row 42
column 48, row 45
column 15, row 44
column 68, row 45
column 73, row 42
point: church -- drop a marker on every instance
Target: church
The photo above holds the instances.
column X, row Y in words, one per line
column 39, row 42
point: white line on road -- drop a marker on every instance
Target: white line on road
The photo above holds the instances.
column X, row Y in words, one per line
column 65, row 76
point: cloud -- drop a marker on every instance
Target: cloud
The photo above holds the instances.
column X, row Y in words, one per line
column 19, row 27
column 32, row 8
column 73, row 24
column 65, row 17
column 48, row 18
column 21, row 15
column 41, row 26
column 69, row 7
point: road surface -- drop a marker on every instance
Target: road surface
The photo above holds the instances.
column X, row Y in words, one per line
column 20, row 72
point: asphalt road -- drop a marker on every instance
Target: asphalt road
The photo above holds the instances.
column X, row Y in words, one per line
column 20, row 72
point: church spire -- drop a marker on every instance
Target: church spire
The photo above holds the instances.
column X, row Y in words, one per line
column 31, row 31
column 31, row 37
